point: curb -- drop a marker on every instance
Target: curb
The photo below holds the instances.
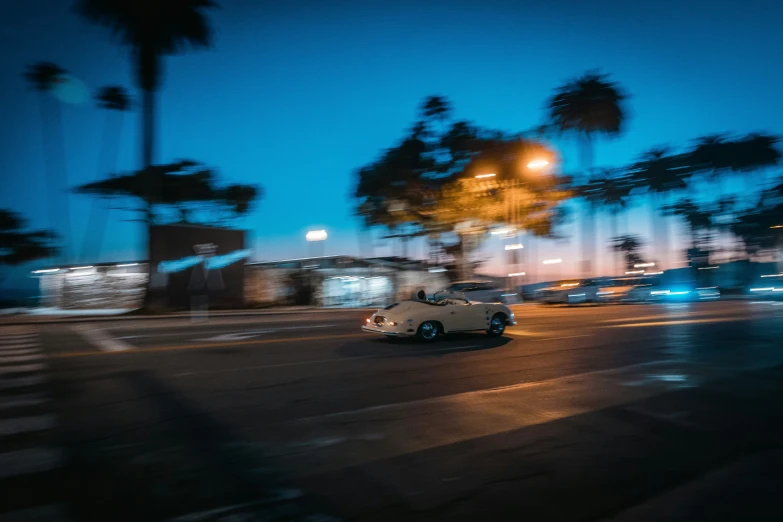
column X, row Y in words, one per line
column 177, row 315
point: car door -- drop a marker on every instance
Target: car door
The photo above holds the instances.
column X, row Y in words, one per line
column 460, row 314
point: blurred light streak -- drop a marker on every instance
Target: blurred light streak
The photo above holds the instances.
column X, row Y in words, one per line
column 46, row 271
column 772, row 275
column 643, row 265
column 126, row 264
column 482, row 176
column 515, row 274
column 634, row 272
column 82, row 267
column 515, row 246
column 316, row 235
column 436, row 269
column 709, row 268
column 537, row 164
column 552, row 261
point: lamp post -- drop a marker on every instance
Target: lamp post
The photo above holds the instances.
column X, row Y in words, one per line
column 316, row 238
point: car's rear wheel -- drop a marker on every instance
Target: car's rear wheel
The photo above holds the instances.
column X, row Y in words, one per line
column 428, row 331
column 497, row 325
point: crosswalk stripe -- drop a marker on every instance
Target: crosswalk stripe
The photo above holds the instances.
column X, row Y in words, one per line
column 29, row 461
column 19, row 425
column 30, row 356
column 11, row 346
column 19, row 351
column 21, row 382
column 21, row 368
column 23, row 401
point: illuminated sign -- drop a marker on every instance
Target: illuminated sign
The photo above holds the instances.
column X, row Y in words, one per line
column 206, row 266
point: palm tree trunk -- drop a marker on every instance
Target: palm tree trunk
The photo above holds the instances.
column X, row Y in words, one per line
column 588, row 218
column 111, row 165
column 51, row 189
column 148, row 139
column 613, row 233
column 96, row 205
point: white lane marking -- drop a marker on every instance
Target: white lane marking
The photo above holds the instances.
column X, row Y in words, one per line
column 228, row 337
column 322, row 361
column 261, row 331
column 564, row 337
column 101, row 339
column 19, row 425
column 22, row 382
column 28, row 461
column 21, row 368
column 21, row 358
column 670, row 323
column 485, row 391
column 23, row 401
column 651, row 317
column 50, row 513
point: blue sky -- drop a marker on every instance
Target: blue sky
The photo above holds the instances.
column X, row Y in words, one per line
column 296, row 95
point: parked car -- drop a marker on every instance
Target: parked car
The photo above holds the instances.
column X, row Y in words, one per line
column 427, row 319
column 478, row 292
column 570, row 291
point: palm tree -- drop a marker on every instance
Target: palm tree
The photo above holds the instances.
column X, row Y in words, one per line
column 588, row 106
column 660, row 173
column 698, row 220
column 151, row 29
column 611, row 192
column 114, row 99
column 44, row 77
column 629, row 245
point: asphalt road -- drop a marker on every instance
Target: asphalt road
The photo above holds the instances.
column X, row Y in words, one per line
column 625, row 413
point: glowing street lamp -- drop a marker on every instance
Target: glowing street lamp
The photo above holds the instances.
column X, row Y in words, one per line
column 316, row 235
column 537, row 164
column 316, row 239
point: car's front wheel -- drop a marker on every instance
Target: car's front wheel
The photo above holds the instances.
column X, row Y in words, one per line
column 497, row 325
column 428, row 331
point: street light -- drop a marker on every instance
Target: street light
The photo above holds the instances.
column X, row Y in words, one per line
column 316, row 235
column 537, row 164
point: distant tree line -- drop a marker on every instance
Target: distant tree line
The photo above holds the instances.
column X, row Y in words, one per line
column 426, row 185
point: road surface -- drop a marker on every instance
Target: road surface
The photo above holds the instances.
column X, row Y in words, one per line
column 623, row 413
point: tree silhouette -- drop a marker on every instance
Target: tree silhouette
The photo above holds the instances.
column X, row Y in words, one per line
column 587, row 106
column 151, row 29
column 114, row 100
column 187, row 187
column 629, row 246
column 426, row 186
column 18, row 245
column 44, row 77
column 660, row 173
column 609, row 190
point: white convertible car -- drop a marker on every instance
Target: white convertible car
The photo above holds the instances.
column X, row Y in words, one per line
column 427, row 319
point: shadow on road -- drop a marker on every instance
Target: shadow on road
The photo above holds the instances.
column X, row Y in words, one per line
column 150, row 454
column 705, row 453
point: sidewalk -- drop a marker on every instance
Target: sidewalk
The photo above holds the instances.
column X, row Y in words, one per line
column 73, row 316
